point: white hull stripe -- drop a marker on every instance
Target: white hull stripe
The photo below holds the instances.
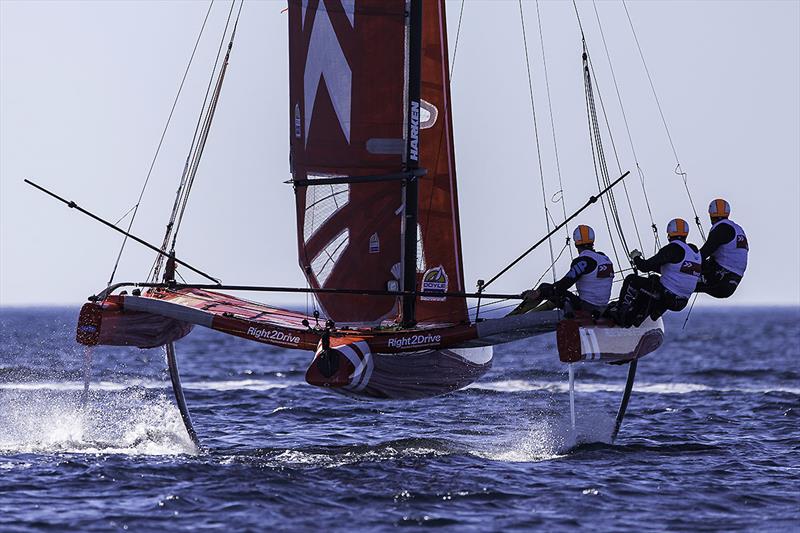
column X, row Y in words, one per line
column 361, row 358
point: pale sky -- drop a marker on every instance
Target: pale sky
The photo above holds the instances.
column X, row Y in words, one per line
column 85, row 89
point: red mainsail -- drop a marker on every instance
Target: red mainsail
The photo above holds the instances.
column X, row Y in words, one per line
column 348, row 70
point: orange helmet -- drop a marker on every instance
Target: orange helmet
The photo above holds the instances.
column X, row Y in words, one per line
column 583, row 235
column 677, row 227
column 719, row 208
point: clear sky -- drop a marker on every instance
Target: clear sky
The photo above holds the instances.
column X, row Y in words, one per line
column 86, row 88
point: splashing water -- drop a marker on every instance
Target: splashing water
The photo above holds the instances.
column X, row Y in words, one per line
column 554, row 437
column 132, row 421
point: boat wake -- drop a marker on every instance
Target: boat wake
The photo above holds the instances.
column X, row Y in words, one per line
column 130, row 421
column 502, row 386
column 552, row 438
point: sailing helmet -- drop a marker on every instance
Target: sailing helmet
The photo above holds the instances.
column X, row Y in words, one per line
column 583, row 235
column 719, row 208
column 677, row 227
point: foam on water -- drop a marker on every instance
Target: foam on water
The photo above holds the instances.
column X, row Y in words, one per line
column 511, row 385
column 128, row 421
column 552, row 438
column 518, row 385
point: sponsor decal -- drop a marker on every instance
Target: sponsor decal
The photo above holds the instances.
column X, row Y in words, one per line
column 414, row 341
column 374, row 244
column 88, row 328
column 273, row 335
column 741, row 242
column 605, row 271
column 413, row 152
column 427, row 115
column 434, row 280
column 690, row 267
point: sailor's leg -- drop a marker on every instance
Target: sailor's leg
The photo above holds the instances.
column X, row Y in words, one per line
column 571, row 304
column 722, row 288
column 628, row 297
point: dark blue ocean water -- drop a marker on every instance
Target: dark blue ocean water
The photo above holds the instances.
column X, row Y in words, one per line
column 711, row 441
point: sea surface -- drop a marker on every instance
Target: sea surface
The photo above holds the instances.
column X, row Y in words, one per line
column 711, row 441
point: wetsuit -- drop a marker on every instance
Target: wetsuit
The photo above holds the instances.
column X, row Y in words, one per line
column 640, row 297
column 724, row 259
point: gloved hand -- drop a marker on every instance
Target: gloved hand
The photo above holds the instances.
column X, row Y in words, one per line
column 634, row 255
column 530, row 294
column 546, row 290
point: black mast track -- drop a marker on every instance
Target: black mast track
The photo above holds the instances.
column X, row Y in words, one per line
column 411, row 188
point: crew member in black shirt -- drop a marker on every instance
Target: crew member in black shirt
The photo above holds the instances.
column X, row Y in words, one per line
column 724, row 253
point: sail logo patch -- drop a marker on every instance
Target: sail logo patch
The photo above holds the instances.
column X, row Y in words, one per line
column 413, row 152
column 434, row 280
column 374, row 244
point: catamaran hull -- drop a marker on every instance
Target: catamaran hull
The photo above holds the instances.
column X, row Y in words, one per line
column 584, row 339
column 110, row 324
column 352, row 370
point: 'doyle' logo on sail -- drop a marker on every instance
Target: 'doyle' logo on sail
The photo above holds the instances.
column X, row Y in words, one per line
column 434, row 280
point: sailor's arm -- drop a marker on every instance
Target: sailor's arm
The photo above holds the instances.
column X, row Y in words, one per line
column 719, row 235
column 579, row 266
column 671, row 253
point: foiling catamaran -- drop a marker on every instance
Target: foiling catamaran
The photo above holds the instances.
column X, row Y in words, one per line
column 374, row 175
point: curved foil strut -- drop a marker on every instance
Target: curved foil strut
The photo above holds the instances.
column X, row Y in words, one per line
column 626, row 396
column 180, row 399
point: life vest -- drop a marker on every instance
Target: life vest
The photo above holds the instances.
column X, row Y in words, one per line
column 732, row 255
column 595, row 287
column 681, row 278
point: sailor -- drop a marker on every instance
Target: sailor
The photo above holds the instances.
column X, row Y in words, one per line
column 678, row 264
column 724, row 253
column 591, row 272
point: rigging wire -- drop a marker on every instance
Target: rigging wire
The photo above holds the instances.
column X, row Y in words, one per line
column 562, row 195
column 135, row 208
column 616, row 154
column 596, row 142
column 629, row 135
column 589, row 121
column 458, row 33
column 628, row 131
column 207, row 123
column 598, row 158
column 678, row 169
column 197, row 145
column 536, row 135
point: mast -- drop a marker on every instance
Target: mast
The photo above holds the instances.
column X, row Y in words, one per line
column 411, row 187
